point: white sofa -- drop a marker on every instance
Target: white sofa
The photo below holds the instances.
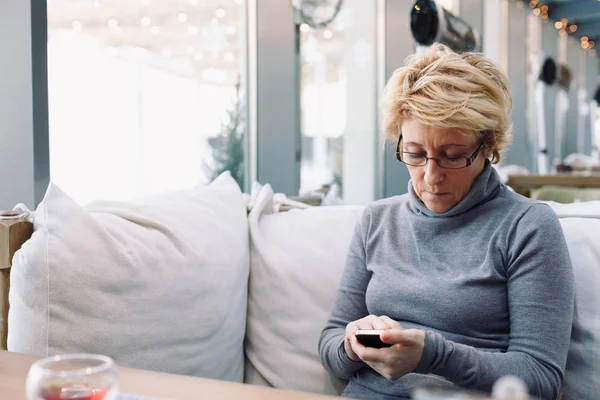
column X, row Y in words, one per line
column 189, row 282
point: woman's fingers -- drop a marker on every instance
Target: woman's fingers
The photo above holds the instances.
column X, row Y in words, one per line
column 391, row 323
column 407, row 337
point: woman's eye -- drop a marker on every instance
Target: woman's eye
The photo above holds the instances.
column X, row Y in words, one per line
column 414, row 156
column 453, row 158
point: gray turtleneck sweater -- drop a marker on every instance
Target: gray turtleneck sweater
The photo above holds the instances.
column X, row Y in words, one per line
column 489, row 281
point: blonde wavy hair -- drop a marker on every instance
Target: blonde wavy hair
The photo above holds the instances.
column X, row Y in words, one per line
column 466, row 91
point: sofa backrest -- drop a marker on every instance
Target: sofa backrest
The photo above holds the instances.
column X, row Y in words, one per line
column 158, row 283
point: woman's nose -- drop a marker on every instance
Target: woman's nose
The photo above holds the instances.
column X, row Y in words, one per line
column 434, row 174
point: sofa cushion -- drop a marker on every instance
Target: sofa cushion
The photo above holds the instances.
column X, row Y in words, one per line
column 584, row 209
column 159, row 283
column 582, row 377
column 297, row 258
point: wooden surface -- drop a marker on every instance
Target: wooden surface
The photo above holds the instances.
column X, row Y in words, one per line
column 14, row 367
column 4, row 288
column 13, row 233
column 569, row 180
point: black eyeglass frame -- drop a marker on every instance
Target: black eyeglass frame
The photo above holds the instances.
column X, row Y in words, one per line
column 469, row 160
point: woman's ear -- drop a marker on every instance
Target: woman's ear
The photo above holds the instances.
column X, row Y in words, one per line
column 489, row 150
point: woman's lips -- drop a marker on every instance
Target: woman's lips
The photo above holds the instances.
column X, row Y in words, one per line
column 435, row 195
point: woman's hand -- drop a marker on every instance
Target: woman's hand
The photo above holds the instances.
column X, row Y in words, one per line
column 398, row 360
column 390, row 362
column 351, row 344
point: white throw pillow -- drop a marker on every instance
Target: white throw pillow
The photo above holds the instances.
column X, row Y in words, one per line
column 159, row 283
column 296, row 262
column 583, row 209
column 582, row 377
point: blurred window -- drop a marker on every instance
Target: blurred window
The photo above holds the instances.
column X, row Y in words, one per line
column 144, row 95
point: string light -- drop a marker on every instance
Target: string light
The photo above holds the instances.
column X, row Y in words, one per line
column 327, row 34
column 146, row 21
column 304, row 28
column 182, row 17
column 536, row 11
column 231, row 30
column 113, row 23
column 220, row 13
column 192, row 30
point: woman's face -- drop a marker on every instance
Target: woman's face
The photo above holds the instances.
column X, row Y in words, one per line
column 438, row 188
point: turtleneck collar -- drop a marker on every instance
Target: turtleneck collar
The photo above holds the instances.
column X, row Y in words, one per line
column 486, row 186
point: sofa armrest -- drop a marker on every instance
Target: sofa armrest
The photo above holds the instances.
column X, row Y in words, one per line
column 14, row 231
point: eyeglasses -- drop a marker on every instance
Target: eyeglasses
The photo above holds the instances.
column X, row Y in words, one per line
column 418, row 160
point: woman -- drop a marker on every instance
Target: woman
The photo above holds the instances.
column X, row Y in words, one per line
column 469, row 280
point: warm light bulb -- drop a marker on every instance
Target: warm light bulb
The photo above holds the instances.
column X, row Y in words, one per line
column 557, row 25
column 113, row 23
column 220, row 13
column 327, row 34
column 182, row 17
column 192, row 30
column 304, row 28
column 146, row 21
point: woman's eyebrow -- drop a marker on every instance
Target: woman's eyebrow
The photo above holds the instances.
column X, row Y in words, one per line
column 442, row 146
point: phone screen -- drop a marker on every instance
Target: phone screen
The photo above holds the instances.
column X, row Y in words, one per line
column 370, row 338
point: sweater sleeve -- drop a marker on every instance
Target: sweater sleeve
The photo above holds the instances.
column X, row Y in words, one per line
column 349, row 305
column 540, row 301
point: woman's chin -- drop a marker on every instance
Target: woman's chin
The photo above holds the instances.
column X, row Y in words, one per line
column 438, row 206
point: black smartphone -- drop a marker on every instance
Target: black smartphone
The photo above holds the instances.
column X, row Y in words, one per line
column 370, row 338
